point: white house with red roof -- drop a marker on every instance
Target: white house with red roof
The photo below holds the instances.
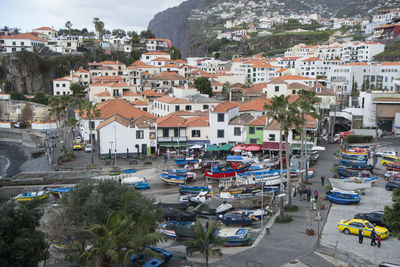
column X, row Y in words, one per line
column 154, row 44
column 23, row 41
column 61, row 86
column 149, row 56
column 100, row 92
column 198, row 130
column 165, row 105
column 219, row 118
column 50, row 32
column 106, row 68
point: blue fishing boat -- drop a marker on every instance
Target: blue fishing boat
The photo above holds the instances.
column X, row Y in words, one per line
column 192, row 190
column 148, row 259
column 257, row 213
column 132, row 170
column 352, row 161
column 142, row 185
column 354, row 157
column 172, row 179
column 57, row 192
column 186, row 161
column 234, row 219
column 343, row 198
column 177, row 172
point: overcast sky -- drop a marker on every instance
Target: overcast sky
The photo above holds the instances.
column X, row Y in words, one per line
column 125, row 14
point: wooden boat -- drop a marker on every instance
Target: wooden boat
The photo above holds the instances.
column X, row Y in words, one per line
column 352, row 161
column 354, row 157
column 142, row 185
column 357, row 167
column 177, row 229
column 186, row 161
column 148, row 258
column 172, row 179
column 191, row 190
column 57, row 192
column 246, row 200
column 349, row 185
column 347, row 152
column 114, row 172
column 363, row 179
column 251, row 213
column 25, row 197
column 234, row 237
column 175, row 214
column 219, row 172
column 234, row 219
column 132, row 170
column 132, row 181
column 181, row 173
column 342, row 198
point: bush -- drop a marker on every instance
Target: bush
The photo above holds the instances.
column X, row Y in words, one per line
column 285, row 219
column 293, row 208
column 358, row 138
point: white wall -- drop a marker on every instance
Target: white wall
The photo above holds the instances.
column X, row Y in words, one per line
column 241, row 139
column 215, row 125
column 43, row 125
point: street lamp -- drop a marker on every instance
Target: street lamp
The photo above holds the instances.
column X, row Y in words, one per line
column 179, row 134
column 111, row 143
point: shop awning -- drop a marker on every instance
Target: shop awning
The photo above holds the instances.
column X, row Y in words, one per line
column 252, row 147
column 238, row 148
column 211, row 148
column 297, row 146
column 272, row 146
column 225, row 147
column 172, row 144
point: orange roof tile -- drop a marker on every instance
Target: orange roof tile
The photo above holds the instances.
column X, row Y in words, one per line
column 259, row 86
column 225, row 106
column 172, row 100
column 324, row 90
column 259, row 121
column 62, row 79
column 170, row 120
column 181, row 61
column 312, row 59
column 118, row 118
column 104, row 93
column 295, row 77
column 198, row 121
column 390, row 63
column 81, row 70
column 130, row 93
column 139, row 102
column 254, row 105
column 44, row 29
column 150, row 92
column 157, row 53
column 282, row 70
column 25, row 36
column 168, row 76
column 170, row 66
column 161, row 59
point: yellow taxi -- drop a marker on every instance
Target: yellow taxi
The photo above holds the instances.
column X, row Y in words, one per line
column 352, row 226
column 78, row 146
column 389, row 159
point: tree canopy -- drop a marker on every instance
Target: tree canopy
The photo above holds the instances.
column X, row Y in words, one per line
column 391, row 215
column 203, row 85
column 22, row 243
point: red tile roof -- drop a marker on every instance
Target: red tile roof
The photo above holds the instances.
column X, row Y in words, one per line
column 254, row 105
column 44, row 29
column 171, row 120
column 295, row 77
column 258, row 87
column 157, row 53
column 139, row 102
column 81, row 70
column 104, row 93
column 225, row 106
column 150, row 92
column 172, row 100
column 25, row 36
column 259, row 121
column 199, row 121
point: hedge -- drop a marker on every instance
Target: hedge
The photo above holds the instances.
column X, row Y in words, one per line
column 353, row 138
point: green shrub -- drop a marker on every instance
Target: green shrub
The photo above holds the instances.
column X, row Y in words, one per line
column 293, row 208
column 353, row 138
column 285, row 219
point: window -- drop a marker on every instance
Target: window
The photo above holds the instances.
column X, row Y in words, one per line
column 293, row 92
column 139, row 134
column 22, row 43
column 63, row 85
column 92, row 126
column 271, row 137
column 165, row 132
column 259, row 128
column 177, row 132
column 195, row 133
column 221, row 117
column 253, row 140
column 14, row 43
column 188, row 107
column 252, row 130
column 177, row 108
column 206, row 107
column 57, row 85
column 276, row 88
column 220, row 133
column 236, row 131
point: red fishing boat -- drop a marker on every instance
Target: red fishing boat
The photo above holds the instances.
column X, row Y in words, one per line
column 226, row 171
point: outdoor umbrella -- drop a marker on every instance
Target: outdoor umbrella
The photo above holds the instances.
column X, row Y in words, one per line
column 225, row 147
column 253, row 148
column 238, row 148
column 195, row 147
column 211, row 148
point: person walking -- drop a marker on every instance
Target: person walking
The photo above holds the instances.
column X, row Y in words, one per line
column 316, row 194
column 373, row 237
column 322, row 180
column 308, row 194
column 360, row 236
column 301, row 193
column 379, row 241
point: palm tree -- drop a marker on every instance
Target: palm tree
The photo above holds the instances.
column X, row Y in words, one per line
column 305, row 104
column 99, row 26
column 65, row 103
column 277, row 111
column 205, row 240
column 56, row 109
column 92, row 112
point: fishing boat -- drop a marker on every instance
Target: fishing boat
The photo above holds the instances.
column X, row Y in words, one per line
column 251, row 213
column 132, row 170
column 184, row 161
column 176, row 214
column 352, row 161
column 142, row 185
column 348, row 152
column 364, row 179
column 234, row 237
column 357, row 167
column 148, row 258
column 354, row 157
column 114, row 172
column 349, row 185
column 226, row 171
column 29, row 196
column 256, row 180
column 234, row 219
column 132, row 181
column 57, row 192
column 177, row 229
column 343, row 198
column 191, row 190
column 224, row 207
column 172, row 179
column 182, row 173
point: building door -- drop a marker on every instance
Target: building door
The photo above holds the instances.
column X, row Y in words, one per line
column 144, row 149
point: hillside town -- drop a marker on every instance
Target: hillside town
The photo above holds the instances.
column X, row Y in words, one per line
column 149, row 158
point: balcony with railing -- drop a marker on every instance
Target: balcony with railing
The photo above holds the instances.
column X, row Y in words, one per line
column 172, row 139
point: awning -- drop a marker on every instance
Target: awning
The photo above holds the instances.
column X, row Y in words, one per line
column 172, row 144
column 195, row 147
column 211, row 148
column 252, row 147
column 297, row 146
column 272, row 146
column 225, row 147
column 198, row 142
column 238, row 148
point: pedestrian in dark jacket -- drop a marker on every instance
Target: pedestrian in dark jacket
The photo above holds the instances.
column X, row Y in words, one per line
column 322, row 180
column 316, row 194
column 373, row 237
column 308, row 194
column 360, row 236
column 301, row 193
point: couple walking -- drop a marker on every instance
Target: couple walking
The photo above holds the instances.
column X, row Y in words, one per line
column 374, row 238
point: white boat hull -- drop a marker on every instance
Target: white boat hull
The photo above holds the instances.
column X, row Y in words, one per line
column 349, row 185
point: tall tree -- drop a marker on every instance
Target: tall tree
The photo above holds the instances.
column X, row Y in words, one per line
column 68, row 25
column 306, row 106
column 206, row 240
column 147, row 34
column 134, row 36
column 203, row 84
column 99, row 27
column 41, row 98
column 22, row 243
column 391, row 216
column 118, row 33
column 91, row 112
column 175, row 53
column 78, row 90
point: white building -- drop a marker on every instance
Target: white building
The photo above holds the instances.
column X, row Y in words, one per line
column 220, row 117
column 22, row 42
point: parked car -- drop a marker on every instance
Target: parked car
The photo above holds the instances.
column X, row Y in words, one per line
column 88, row 148
column 390, row 185
column 78, row 146
column 393, row 166
column 374, row 217
column 388, row 159
column 78, row 139
column 385, row 153
column 20, row 125
column 389, row 174
column 394, row 178
column 352, row 226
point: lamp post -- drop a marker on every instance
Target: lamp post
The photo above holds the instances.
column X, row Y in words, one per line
column 111, row 143
column 262, row 202
column 179, row 134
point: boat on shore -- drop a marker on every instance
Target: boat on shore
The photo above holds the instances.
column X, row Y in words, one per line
column 142, row 185
column 349, row 185
column 342, row 198
column 132, row 170
column 251, row 213
column 226, row 171
column 29, row 196
column 172, row 179
column 192, row 190
column 234, row 219
column 234, row 237
column 57, row 192
column 184, row 161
